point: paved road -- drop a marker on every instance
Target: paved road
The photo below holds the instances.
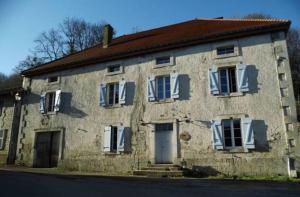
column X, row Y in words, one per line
column 36, row 185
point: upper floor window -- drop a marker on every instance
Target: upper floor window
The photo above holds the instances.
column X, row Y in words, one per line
column 53, row 79
column 113, row 93
column 228, row 80
column 232, row 133
column 114, row 68
column 163, row 87
column 225, row 50
column 50, row 101
column 163, row 60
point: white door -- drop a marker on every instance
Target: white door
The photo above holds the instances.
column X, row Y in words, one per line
column 163, row 143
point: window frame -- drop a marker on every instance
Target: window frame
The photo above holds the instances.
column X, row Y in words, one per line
column 171, row 61
column 164, row 87
column 229, row 83
column 108, row 88
column 53, row 82
column 234, row 43
column 121, row 69
column 47, row 101
column 227, row 50
column 114, row 139
column 232, row 134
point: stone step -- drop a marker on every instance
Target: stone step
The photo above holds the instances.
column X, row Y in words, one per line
column 158, row 173
column 162, row 168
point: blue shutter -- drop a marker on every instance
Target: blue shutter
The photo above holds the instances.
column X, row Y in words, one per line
column 248, row 133
column 242, row 78
column 122, row 92
column 43, row 103
column 213, row 81
column 174, row 85
column 107, row 139
column 217, row 134
column 103, row 94
column 151, row 88
column 121, row 138
column 57, row 100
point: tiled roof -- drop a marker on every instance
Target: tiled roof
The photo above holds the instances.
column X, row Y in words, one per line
column 169, row 37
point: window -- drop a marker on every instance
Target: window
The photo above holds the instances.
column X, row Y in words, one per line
column 114, row 139
column 53, row 79
column 50, row 101
column 164, row 127
column 2, row 137
column 232, row 133
column 163, row 60
column 113, row 93
column 228, row 82
column 163, row 87
column 225, row 50
column 114, row 68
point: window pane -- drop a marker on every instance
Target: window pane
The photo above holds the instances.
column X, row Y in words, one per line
column 225, row 50
column 232, row 79
column 167, row 87
column 114, row 68
column 238, row 141
column 163, row 60
column 51, row 100
column 164, row 127
column 223, row 81
column 228, row 142
column 111, row 94
column 116, row 93
column 114, row 138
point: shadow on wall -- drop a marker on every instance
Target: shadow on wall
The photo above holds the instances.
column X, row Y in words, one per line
column 68, row 109
column 252, row 73
column 130, row 92
column 184, row 87
column 260, row 136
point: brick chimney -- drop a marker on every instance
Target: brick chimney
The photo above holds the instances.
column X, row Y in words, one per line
column 107, row 35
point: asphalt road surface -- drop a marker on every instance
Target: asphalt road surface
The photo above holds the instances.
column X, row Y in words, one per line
column 37, row 185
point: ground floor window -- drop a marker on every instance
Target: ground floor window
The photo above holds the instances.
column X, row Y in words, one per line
column 232, row 133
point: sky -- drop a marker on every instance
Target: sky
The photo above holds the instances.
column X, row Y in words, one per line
column 21, row 21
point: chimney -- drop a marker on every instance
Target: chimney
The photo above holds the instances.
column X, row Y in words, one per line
column 107, row 35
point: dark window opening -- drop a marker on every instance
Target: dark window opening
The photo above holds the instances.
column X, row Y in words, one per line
column 114, row 139
column 225, row 50
column 232, row 133
column 164, row 127
column 50, row 101
column 114, row 68
column 163, row 60
column 113, row 93
column 53, row 79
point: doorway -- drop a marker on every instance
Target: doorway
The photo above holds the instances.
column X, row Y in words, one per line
column 163, row 143
column 46, row 149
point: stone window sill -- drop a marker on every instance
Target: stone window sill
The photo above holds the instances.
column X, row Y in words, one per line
column 236, row 150
column 113, row 106
column 235, row 94
column 164, row 101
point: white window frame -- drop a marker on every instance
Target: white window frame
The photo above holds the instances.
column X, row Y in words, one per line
column 114, row 72
column 114, row 94
column 232, row 134
column 171, row 63
column 54, row 82
column 226, row 44
column 228, row 80
column 164, row 87
column 47, row 102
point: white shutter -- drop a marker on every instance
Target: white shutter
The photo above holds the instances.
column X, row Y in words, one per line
column 57, row 100
column 242, row 78
column 107, row 139
column 122, row 92
column 213, row 81
column 248, row 133
column 2, row 137
column 43, row 102
column 217, row 134
column 103, row 94
column 121, row 138
column 174, row 85
column 151, row 88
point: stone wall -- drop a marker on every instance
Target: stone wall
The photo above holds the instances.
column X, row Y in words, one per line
column 82, row 119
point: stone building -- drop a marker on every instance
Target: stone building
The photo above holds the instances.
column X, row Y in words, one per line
column 213, row 94
column 10, row 109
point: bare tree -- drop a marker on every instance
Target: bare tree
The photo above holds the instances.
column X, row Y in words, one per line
column 29, row 62
column 257, row 16
column 12, row 81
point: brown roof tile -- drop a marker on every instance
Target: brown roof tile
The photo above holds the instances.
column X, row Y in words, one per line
column 178, row 35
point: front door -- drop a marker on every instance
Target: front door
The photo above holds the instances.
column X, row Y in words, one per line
column 163, row 143
column 46, row 149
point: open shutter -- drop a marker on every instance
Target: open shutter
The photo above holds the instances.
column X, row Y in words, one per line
column 121, row 138
column 107, row 139
column 248, row 133
column 43, row 103
column 174, row 85
column 57, row 100
column 151, row 88
column 213, row 81
column 122, row 92
column 242, row 78
column 217, row 134
column 103, row 94
column 2, row 137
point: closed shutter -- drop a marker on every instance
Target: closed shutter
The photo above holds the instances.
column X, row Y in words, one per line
column 2, row 139
column 213, row 81
column 248, row 133
column 57, row 100
column 107, row 139
column 217, row 134
column 43, row 103
column 174, row 85
column 122, row 92
column 103, row 94
column 151, row 88
column 121, row 139
column 242, row 78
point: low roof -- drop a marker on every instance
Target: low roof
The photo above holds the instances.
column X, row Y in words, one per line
column 164, row 38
